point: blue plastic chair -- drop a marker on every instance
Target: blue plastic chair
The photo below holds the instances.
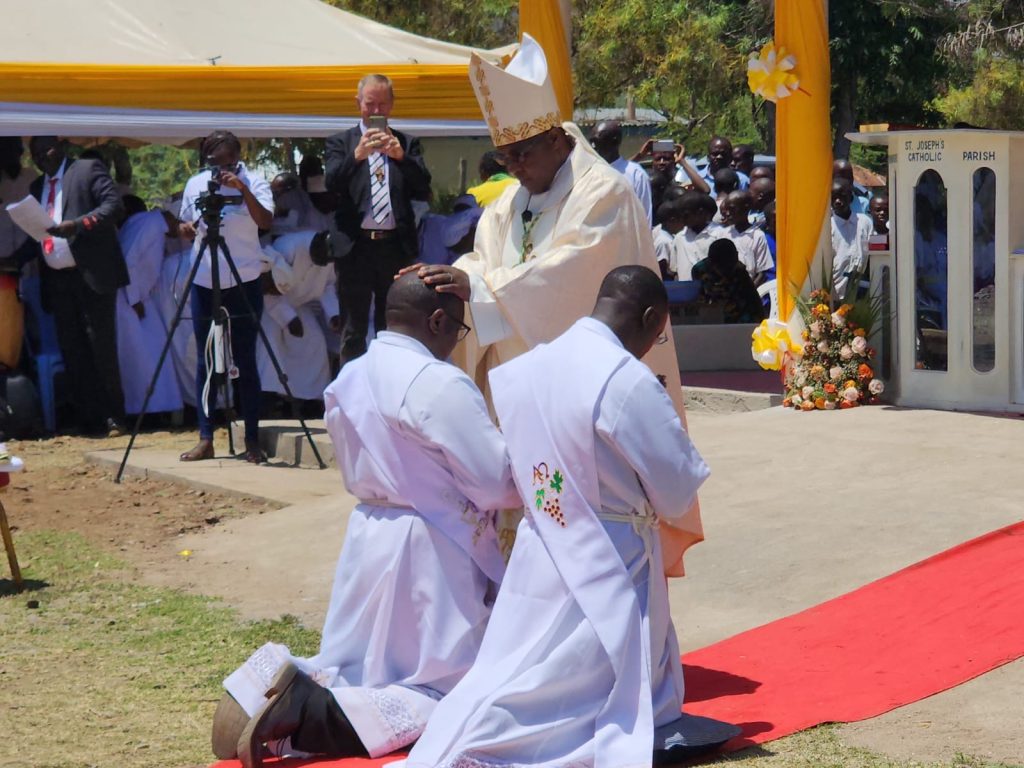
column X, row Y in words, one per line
column 682, row 291
column 47, row 357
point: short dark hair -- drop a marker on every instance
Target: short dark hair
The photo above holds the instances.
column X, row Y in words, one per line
column 133, row 204
column 219, row 139
column 726, row 179
column 722, row 254
column 670, row 209
column 745, row 150
column 489, row 165
column 693, row 200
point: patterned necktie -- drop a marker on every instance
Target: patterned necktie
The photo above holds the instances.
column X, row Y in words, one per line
column 380, row 197
column 51, row 200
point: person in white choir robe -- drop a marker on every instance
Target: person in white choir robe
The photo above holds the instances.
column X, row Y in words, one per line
column 140, row 327
column 417, row 571
column 182, row 358
column 542, row 247
column 290, row 320
column 580, row 664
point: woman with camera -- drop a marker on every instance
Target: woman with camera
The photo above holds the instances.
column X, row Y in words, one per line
column 228, row 198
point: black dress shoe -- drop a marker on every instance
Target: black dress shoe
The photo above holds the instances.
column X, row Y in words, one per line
column 280, row 717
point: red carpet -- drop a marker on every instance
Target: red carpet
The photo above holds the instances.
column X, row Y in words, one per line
column 351, row 762
column 897, row 640
column 920, row 631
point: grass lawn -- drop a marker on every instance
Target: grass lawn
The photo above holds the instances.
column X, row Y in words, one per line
column 105, row 672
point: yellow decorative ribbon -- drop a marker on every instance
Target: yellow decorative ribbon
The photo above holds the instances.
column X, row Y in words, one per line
column 770, row 73
column 771, row 343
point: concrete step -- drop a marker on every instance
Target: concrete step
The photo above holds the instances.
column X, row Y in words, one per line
column 284, row 441
column 712, row 400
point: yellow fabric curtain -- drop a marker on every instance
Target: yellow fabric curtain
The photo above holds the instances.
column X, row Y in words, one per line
column 543, row 20
column 803, row 142
column 429, row 92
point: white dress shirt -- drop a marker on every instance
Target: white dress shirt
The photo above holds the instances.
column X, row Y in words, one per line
column 238, row 229
column 640, row 182
column 368, row 220
column 752, row 247
column 662, row 245
column 60, row 257
column 850, row 238
column 689, row 247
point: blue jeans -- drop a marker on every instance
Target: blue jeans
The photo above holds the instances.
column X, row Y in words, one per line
column 244, row 334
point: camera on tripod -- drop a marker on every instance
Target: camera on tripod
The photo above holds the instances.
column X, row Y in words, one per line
column 211, row 203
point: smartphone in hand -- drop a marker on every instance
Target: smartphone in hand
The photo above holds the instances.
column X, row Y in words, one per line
column 378, row 122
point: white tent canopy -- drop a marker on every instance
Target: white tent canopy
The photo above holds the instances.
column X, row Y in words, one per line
column 243, row 33
column 116, row 58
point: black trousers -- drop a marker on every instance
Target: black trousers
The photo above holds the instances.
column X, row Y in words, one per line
column 87, row 334
column 366, row 273
column 325, row 730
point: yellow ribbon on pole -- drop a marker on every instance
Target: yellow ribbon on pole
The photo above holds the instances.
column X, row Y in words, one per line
column 548, row 22
column 803, row 141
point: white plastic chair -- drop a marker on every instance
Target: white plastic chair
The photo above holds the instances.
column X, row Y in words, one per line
column 770, row 290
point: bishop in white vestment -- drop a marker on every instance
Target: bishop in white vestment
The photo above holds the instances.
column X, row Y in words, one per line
column 417, row 571
column 140, row 327
column 580, row 664
column 544, row 245
column 290, row 320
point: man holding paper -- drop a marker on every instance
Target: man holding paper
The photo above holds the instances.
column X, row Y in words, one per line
column 83, row 267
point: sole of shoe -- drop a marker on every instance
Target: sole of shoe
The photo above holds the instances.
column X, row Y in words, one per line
column 250, row 749
column 229, row 721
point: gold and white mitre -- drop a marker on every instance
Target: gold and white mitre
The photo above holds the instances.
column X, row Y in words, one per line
column 518, row 101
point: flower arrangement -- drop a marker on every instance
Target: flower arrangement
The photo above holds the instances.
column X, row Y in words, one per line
column 835, row 370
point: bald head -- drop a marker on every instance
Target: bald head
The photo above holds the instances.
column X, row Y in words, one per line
column 762, row 192
column 606, row 138
column 735, row 209
column 842, row 169
column 634, row 286
column 410, row 297
column 632, row 301
column 415, row 309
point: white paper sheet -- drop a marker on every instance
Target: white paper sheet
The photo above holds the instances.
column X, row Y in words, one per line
column 30, row 216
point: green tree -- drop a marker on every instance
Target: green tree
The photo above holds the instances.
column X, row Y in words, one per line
column 994, row 98
column 479, row 23
column 159, row 170
column 686, row 60
column 885, row 63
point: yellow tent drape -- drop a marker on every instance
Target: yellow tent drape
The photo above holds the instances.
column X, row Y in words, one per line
column 543, row 20
column 803, row 145
column 422, row 91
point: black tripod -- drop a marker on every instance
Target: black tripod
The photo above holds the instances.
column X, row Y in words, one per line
column 211, row 206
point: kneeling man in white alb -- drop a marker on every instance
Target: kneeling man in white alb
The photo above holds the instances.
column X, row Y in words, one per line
column 415, row 580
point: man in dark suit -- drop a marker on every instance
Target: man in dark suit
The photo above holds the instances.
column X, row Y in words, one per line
column 82, row 269
column 376, row 172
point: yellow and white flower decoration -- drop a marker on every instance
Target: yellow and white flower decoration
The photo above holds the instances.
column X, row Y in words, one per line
column 770, row 73
column 772, row 343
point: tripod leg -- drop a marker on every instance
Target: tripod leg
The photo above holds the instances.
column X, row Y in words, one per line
column 12, row 557
column 273, row 359
column 160, row 363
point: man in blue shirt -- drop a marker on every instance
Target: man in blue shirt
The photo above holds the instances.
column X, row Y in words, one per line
column 719, row 157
